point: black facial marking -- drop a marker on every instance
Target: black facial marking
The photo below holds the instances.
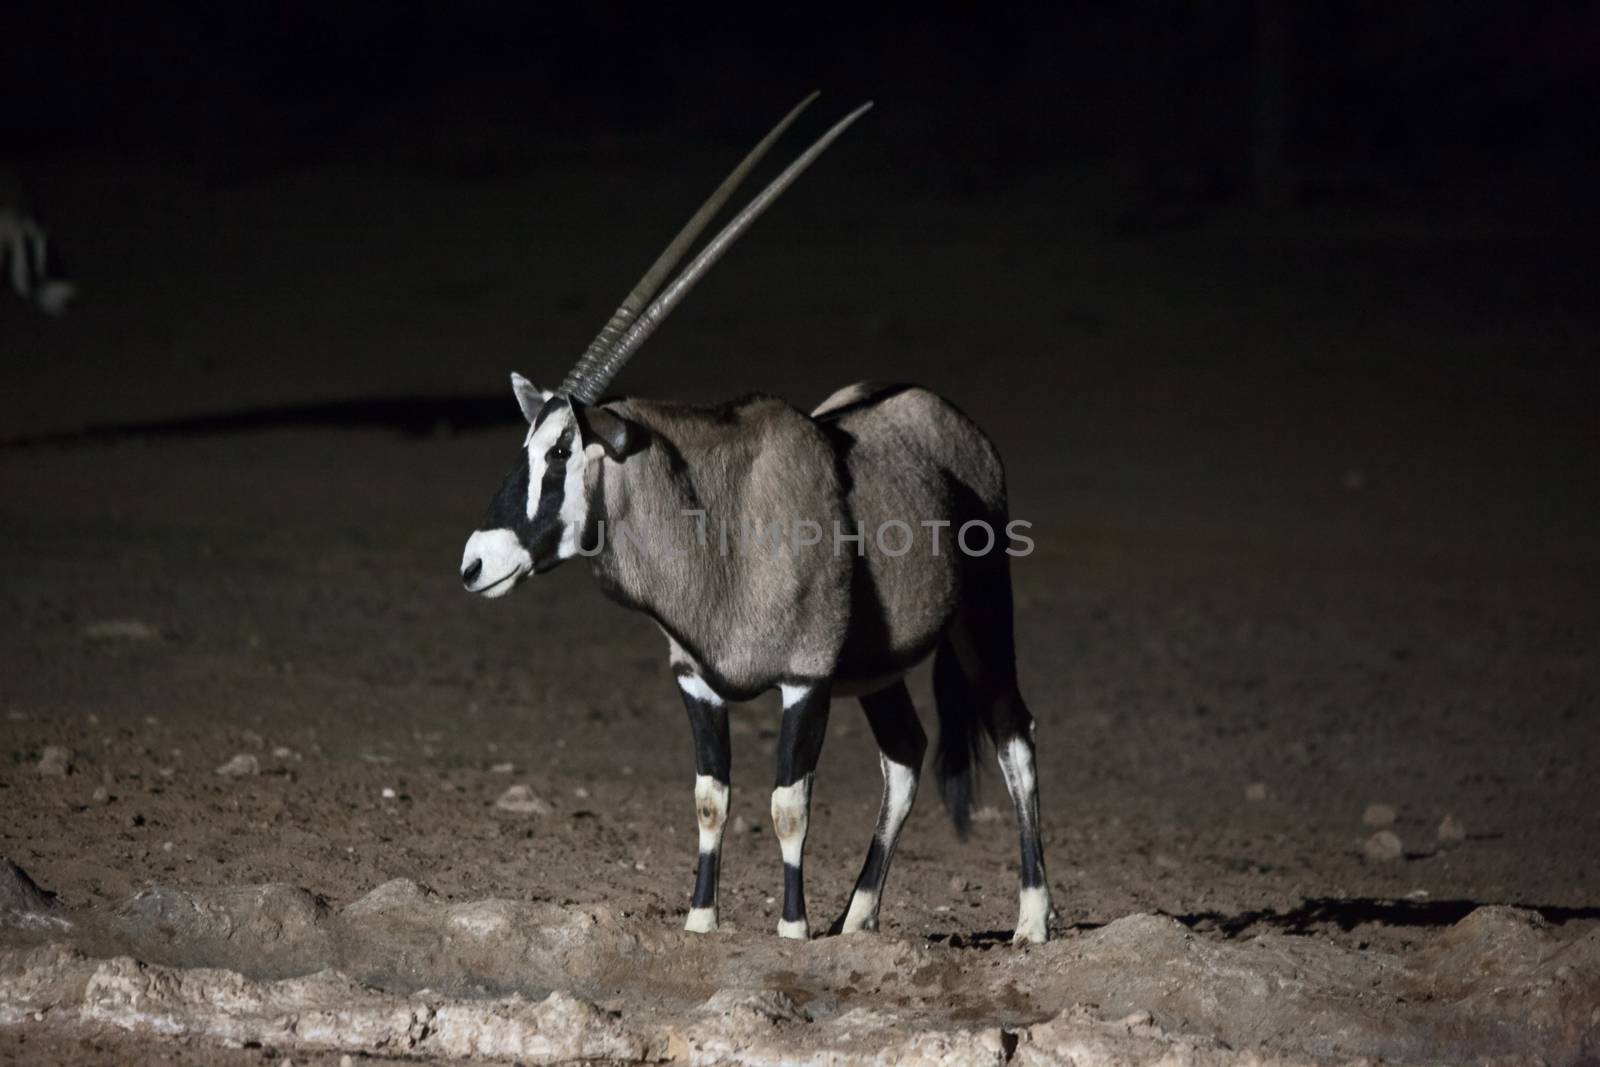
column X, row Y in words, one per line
column 540, row 535
column 544, row 534
column 508, row 509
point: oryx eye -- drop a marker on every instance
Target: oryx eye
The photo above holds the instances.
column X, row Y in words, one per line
column 559, row 452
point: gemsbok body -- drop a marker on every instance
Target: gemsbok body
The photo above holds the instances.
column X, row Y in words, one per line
column 821, row 555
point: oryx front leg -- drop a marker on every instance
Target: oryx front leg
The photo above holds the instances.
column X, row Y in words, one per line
column 708, row 719
column 805, row 722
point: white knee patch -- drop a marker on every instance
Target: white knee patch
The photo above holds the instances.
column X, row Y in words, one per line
column 863, row 913
column 1016, row 764
column 711, row 810
column 695, row 686
column 795, row 931
column 900, row 789
column 1033, row 917
column 789, row 806
column 701, row 920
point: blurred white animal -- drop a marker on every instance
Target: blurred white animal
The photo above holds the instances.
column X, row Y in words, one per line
column 27, row 261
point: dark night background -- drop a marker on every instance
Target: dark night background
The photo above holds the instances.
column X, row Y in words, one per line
column 1282, row 315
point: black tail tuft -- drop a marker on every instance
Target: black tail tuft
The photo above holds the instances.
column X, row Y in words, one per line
column 960, row 747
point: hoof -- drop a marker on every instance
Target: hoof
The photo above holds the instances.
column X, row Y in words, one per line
column 795, row 931
column 1033, row 917
column 861, row 915
column 842, row 925
column 701, row 920
column 1037, row 934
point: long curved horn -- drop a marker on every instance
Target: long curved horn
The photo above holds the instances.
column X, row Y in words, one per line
column 622, row 318
column 588, row 386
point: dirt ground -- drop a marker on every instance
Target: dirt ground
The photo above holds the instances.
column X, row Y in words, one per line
column 1315, row 512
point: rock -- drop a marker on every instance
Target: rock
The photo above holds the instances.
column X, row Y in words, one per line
column 958, row 884
column 121, row 630
column 1383, row 847
column 521, row 800
column 239, row 766
column 503, row 768
column 55, row 761
column 21, row 901
column 1450, row 830
column 741, row 825
column 988, row 813
column 101, row 795
column 1378, row 815
column 388, row 794
column 1255, row 791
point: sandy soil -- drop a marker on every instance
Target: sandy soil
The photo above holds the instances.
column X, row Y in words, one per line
column 1315, row 519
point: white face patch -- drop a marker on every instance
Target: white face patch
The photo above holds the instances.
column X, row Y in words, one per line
column 574, row 511
column 501, row 561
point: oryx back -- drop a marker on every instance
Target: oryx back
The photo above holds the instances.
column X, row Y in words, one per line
column 916, row 470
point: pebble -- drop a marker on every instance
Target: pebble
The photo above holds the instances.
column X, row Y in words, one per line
column 388, row 794
column 1451, row 830
column 741, row 825
column 346, row 1061
column 987, row 813
column 55, row 761
column 503, row 768
column 581, row 793
column 284, row 752
column 958, row 884
column 521, row 800
column 121, row 629
column 1378, row 815
column 1255, row 791
column 1383, row 847
column 242, row 764
column 101, row 795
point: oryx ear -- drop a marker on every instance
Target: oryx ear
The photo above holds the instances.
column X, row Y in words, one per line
column 529, row 396
column 619, row 437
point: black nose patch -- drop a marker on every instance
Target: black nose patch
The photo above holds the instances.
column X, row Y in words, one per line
column 470, row 574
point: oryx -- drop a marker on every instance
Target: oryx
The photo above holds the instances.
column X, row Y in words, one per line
column 28, row 260
column 860, row 568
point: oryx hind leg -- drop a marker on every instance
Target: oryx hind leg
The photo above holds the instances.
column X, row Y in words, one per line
column 982, row 638
column 901, row 745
